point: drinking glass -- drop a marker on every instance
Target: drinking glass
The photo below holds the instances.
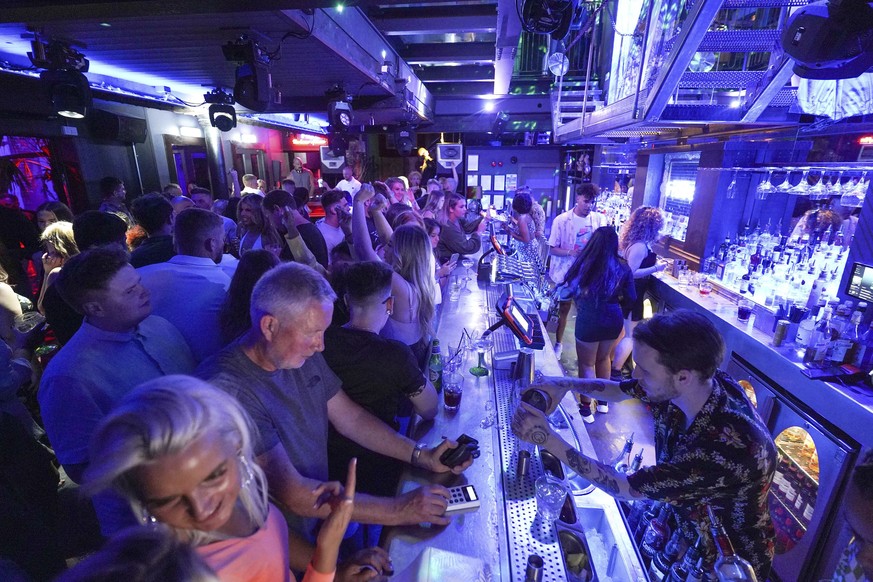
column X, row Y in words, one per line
column 786, row 185
column 467, row 264
column 744, row 310
column 453, row 388
column 765, row 187
column 550, row 494
column 802, row 187
column 704, row 287
column 482, row 345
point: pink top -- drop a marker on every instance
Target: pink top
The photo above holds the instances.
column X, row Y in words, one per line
column 260, row 557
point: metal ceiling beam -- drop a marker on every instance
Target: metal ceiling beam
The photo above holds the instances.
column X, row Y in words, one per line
column 459, row 52
column 523, row 105
column 694, row 28
column 461, row 88
column 508, row 33
column 456, row 74
column 772, row 83
column 431, row 20
column 104, row 10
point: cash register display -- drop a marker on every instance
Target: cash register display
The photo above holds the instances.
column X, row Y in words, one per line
column 860, row 285
column 517, row 320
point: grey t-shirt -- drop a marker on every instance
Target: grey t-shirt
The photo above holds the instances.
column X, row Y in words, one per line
column 286, row 406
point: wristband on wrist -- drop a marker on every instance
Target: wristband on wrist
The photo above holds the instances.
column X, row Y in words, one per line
column 416, row 453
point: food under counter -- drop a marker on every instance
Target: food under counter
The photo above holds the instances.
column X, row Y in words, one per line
column 589, row 540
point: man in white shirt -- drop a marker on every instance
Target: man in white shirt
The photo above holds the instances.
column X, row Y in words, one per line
column 203, row 198
column 189, row 289
column 570, row 232
column 349, row 183
column 250, row 185
column 335, row 208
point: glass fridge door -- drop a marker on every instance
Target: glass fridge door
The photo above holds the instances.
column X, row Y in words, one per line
column 812, row 466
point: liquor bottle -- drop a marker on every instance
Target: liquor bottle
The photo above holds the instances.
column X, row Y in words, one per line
column 647, row 517
column 695, row 574
column 693, row 554
column 678, row 572
column 864, row 354
column 723, row 250
column 637, row 461
column 826, row 334
column 638, row 508
column 820, row 338
column 655, row 537
column 806, row 329
column 757, row 257
column 621, row 462
column 729, row 567
column 663, row 562
column 817, row 288
column 846, row 345
column 435, row 367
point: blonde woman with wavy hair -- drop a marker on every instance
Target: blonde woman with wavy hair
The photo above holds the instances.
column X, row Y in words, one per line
column 254, row 229
column 414, row 288
column 635, row 244
column 59, row 243
column 180, row 452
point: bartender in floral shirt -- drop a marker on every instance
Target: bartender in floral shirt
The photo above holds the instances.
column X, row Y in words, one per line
column 711, row 445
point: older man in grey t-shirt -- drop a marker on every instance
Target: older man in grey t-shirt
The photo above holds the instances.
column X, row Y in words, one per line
column 278, row 374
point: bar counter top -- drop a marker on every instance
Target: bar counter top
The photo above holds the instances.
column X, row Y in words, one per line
column 848, row 408
column 494, row 542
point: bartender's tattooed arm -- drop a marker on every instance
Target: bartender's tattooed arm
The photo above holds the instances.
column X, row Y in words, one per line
column 605, row 477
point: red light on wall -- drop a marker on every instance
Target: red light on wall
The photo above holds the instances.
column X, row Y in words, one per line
column 866, row 140
column 305, row 139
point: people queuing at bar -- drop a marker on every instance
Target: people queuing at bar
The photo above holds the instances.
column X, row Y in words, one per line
column 179, row 470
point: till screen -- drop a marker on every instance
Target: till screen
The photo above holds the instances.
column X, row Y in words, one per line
column 519, row 317
column 861, row 282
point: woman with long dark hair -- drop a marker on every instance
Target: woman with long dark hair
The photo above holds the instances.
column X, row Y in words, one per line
column 602, row 286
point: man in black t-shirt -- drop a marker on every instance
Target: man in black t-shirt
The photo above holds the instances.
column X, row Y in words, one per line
column 275, row 203
column 377, row 373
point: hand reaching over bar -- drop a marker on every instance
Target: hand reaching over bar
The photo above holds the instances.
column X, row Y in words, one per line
column 531, row 425
column 423, row 505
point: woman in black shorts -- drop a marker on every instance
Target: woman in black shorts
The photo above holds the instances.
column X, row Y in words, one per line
column 637, row 235
column 602, row 288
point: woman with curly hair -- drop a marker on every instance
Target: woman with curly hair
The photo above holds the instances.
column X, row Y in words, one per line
column 600, row 283
column 635, row 243
column 254, row 229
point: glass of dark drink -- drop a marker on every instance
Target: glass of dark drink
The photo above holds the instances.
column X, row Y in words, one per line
column 744, row 310
column 452, row 391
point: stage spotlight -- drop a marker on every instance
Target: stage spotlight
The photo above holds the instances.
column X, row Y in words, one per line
column 338, row 144
column 70, row 92
column 221, row 113
column 339, row 114
column 404, row 141
column 222, row 116
column 499, row 123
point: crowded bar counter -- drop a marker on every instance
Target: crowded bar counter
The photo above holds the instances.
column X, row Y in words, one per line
column 495, row 541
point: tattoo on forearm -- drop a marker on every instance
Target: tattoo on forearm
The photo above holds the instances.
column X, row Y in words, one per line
column 538, row 435
column 593, row 471
column 595, row 386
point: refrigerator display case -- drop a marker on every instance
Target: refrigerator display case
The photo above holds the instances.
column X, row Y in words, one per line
column 813, row 465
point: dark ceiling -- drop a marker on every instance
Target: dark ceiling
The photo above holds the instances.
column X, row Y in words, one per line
column 432, row 49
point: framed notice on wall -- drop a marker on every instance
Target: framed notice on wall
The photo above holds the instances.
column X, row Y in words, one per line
column 486, row 182
column 473, row 163
column 472, row 180
column 500, row 183
column 511, row 183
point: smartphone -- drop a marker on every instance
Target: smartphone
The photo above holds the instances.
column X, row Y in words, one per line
column 455, row 258
column 462, row 499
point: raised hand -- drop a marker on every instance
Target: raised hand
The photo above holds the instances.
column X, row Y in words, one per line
column 334, row 527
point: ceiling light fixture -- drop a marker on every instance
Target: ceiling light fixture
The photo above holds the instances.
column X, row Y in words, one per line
column 339, row 109
column 222, row 114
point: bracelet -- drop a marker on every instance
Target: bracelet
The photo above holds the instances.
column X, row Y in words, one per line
column 416, row 453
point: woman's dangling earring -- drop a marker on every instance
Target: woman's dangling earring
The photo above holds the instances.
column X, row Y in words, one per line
column 148, row 519
column 247, row 473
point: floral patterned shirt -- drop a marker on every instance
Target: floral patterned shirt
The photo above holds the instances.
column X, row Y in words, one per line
column 726, row 458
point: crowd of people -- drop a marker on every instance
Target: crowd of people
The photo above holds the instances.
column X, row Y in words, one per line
column 220, row 383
